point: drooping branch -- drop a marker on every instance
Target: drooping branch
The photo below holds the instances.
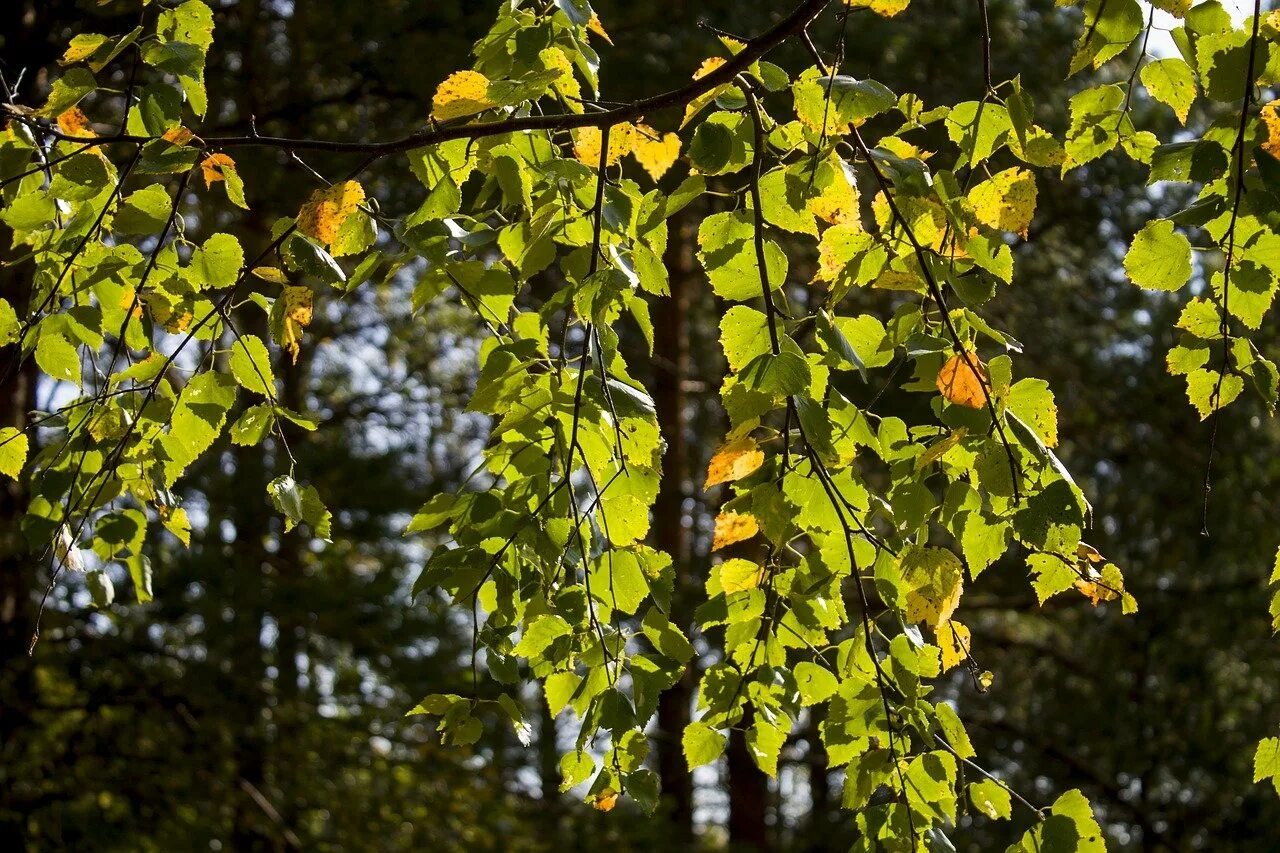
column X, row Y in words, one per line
column 754, row 49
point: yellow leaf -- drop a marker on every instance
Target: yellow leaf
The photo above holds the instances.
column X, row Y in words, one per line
column 594, row 25
column 935, row 582
column 739, row 575
column 954, row 640
column 297, row 316
column 654, row 151
column 177, row 135
column 324, row 213
column 129, row 301
column 462, row 93
column 605, row 800
column 586, row 144
column 838, row 201
column 733, row 461
column 884, row 8
column 708, row 65
column 904, row 280
column 733, row 527
column 271, row 274
column 211, row 168
column 297, row 304
column 73, row 122
column 961, row 380
column 1271, row 118
column 1006, row 201
column 699, row 103
column 82, row 47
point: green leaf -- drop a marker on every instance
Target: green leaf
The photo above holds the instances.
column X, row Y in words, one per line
column 300, row 505
column 764, row 742
column 1266, row 762
column 100, row 588
column 13, row 451
column 702, row 744
column 992, row 799
column 539, row 636
column 816, row 683
column 1171, row 82
column 68, row 90
column 57, row 357
column 251, row 365
column 217, row 263
column 1159, row 258
column 144, row 211
column 744, row 335
column 782, row 375
column 1070, row 825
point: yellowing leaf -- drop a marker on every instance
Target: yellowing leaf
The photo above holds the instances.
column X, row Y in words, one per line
column 708, row 65
column 555, row 59
column 297, row 315
column 961, row 380
column 211, row 168
column 82, row 47
column 13, row 451
column 838, row 201
column 739, row 575
column 940, row 449
column 594, row 25
column 73, row 122
column 323, row 215
column 1006, row 201
column 654, row 151
column 271, row 274
column 934, row 581
column 177, row 135
column 733, row 527
column 462, row 93
column 699, row 103
column 1271, row 118
column 605, row 800
column 586, row 144
column 954, row 640
column 733, row 461
column 1107, row 585
column 884, row 8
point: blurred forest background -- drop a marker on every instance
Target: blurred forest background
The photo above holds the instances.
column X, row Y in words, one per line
column 258, row 703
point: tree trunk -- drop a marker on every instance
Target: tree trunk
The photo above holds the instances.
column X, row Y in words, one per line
column 748, row 794
column 671, row 361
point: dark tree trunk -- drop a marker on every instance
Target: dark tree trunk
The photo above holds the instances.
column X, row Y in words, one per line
column 748, row 795
column 671, row 358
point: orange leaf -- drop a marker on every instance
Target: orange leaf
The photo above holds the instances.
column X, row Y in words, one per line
column 734, row 461
column 734, row 527
column 212, row 167
column 177, row 135
column 322, row 216
column 962, row 379
column 605, row 800
column 73, row 122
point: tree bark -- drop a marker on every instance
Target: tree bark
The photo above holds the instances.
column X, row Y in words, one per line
column 671, row 358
